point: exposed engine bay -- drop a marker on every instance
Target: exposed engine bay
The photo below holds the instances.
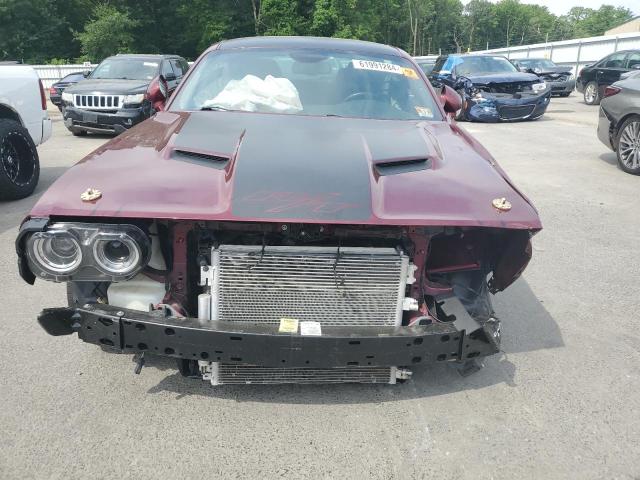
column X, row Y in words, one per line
column 308, row 281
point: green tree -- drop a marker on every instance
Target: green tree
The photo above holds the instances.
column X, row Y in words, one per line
column 110, row 31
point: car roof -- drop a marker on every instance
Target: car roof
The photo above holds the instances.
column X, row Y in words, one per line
column 309, row 42
column 145, row 56
column 470, row 55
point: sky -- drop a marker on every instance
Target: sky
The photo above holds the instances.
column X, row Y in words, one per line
column 560, row 7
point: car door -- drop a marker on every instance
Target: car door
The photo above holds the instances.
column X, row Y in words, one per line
column 169, row 75
column 633, row 61
column 442, row 72
column 611, row 69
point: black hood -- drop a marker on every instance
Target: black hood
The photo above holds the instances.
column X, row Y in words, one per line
column 109, row 86
column 506, row 77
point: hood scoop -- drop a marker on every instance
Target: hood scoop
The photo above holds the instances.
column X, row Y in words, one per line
column 201, row 158
column 400, row 165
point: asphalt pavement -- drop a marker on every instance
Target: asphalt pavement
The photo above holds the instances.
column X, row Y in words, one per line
column 561, row 401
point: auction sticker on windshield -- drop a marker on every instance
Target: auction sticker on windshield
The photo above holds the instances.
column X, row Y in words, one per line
column 384, row 67
column 377, row 66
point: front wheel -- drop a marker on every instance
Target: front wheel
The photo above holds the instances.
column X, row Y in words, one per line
column 591, row 94
column 628, row 150
column 19, row 162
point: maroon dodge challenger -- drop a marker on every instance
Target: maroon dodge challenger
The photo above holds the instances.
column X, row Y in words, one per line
column 301, row 210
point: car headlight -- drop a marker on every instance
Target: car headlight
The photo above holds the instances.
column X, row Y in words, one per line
column 133, row 99
column 67, row 97
column 88, row 252
column 539, row 87
column 571, row 77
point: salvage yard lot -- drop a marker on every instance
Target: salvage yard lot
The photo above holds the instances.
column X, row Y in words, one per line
column 561, row 401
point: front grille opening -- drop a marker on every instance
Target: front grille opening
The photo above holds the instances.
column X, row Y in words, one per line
column 233, row 374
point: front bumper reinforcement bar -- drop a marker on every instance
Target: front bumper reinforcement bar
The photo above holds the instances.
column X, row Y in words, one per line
column 260, row 344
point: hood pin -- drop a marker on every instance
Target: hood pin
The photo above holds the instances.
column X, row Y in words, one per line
column 90, row 194
column 501, row 204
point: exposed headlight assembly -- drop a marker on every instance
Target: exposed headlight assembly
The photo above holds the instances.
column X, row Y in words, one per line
column 133, row 99
column 88, row 252
column 539, row 87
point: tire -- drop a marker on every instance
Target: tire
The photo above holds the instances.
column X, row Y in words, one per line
column 592, row 94
column 76, row 132
column 19, row 162
column 628, row 145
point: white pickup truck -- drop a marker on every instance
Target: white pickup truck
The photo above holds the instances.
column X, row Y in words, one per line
column 24, row 123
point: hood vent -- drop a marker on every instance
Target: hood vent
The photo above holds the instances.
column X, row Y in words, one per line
column 404, row 165
column 199, row 158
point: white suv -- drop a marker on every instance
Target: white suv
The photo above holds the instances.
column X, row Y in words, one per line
column 24, row 123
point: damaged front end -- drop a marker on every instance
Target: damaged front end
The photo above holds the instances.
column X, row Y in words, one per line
column 244, row 303
column 495, row 101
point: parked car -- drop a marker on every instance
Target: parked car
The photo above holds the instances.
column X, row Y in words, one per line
column 303, row 210
column 619, row 122
column 560, row 79
column 24, row 124
column 492, row 88
column 426, row 63
column 121, row 92
column 593, row 79
column 55, row 91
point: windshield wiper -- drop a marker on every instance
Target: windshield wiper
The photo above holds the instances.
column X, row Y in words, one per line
column 215, row 108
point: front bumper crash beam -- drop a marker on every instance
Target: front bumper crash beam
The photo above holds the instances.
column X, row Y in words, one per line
column 133, row 331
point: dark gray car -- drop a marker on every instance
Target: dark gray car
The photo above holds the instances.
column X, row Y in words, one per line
column 619, row 123
column 559, row 78
column 121, row 92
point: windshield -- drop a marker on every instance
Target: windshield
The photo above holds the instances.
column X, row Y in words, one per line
column 427, row 67
column 539, row 63
column 127, row 69
column 482, row 65
column 308, row 82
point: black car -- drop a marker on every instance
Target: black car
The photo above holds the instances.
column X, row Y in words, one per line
column 492, row 88
column 55, row 91
column 560, row 79
column 122, row 91
column 593, row 79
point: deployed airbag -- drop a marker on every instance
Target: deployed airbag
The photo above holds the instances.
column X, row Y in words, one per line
column 252, row 94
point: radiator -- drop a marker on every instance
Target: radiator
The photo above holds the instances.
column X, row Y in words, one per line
column 345, row 286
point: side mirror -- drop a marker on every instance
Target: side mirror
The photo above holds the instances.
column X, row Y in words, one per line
column 86, row 73
column 170, row 77
column 163, row 87
column 451, row 101
column 157, row 93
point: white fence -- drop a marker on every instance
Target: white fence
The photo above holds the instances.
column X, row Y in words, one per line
column 575, row 53
column 50, row 74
